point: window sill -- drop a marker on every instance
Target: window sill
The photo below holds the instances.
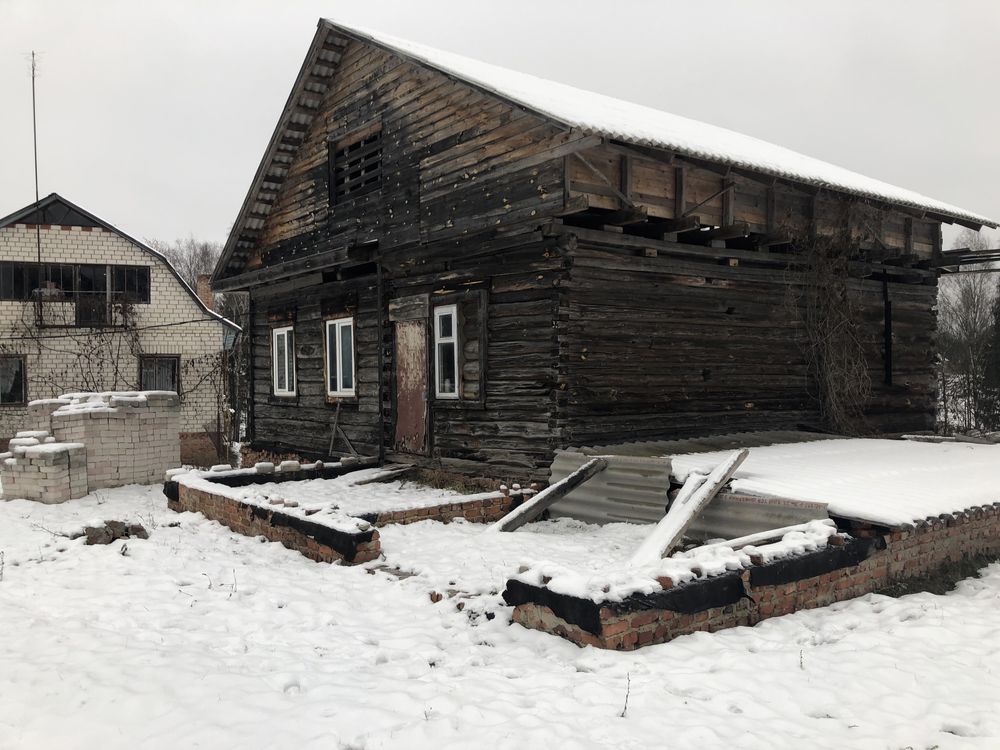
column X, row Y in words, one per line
column 346, row 398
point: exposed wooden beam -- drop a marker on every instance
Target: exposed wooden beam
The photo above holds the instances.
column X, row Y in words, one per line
column 725, row 189
column 728, row 203
column 729, row 232
column 625, row 216
column 604, row 178
column 679, row 197
column 625, row 169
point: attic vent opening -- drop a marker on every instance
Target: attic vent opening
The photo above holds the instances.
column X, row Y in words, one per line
column 355, row 164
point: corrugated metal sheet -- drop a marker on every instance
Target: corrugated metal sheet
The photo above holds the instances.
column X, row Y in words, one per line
column 632, row 488
column 730, row 516
column 732, row 441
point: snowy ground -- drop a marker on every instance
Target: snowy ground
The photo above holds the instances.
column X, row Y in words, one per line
column 199, row 637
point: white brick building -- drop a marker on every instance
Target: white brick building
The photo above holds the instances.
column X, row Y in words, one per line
column 83, row 306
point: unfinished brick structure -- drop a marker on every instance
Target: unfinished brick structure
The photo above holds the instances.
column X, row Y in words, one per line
column 81, row 442
column 315, row 541
column 873, row 558
column 318, row 541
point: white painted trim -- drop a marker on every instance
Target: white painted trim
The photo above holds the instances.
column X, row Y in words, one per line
column 289, row 390
column 338, row 325
column 440, row 312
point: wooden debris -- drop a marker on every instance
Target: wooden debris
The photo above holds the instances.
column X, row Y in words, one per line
column 689, row 503
column 547, row 497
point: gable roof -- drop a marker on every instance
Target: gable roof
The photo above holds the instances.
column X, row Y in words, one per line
column 54, row 209
column 566, row 105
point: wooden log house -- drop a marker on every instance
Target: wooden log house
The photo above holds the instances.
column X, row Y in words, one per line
column 455, row 264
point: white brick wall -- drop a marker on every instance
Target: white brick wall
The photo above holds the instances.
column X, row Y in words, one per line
column 60, row 360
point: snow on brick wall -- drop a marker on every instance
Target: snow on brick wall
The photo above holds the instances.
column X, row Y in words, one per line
column 897, row 555
column 172, row 324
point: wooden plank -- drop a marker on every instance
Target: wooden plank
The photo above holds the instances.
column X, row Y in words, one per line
column 548, row 497
column 669, row 531
column 414, row 307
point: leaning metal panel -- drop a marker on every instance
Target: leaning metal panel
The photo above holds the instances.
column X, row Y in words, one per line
column 632, row 489
column 731, row 515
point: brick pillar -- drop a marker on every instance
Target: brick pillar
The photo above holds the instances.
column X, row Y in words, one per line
column 204, row 290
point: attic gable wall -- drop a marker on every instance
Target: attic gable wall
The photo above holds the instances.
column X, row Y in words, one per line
column 455, row 161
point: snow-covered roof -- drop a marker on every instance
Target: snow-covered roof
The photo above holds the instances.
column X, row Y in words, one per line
column 889, row 482
column 646, row 126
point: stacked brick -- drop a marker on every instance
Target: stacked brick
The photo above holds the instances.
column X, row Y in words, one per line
column 88, row 441
column 900, row 554
column 131, row 438
column 47, row 472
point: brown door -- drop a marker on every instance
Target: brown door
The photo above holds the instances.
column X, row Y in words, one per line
column 411, row 386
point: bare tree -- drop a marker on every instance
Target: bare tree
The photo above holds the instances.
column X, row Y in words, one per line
column 966, row 334
column 190, row 257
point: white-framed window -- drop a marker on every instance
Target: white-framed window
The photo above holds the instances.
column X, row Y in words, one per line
column 446, row 351
column 283, row 361
column 340, row 357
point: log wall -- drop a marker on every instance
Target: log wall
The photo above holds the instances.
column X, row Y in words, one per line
column 669, row 347
column 303, row 423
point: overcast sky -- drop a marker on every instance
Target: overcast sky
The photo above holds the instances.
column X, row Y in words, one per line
column 154, row 115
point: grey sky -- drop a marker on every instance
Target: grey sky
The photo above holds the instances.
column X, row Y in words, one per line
column 154, row 116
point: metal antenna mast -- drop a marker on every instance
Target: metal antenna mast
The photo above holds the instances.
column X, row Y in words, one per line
column 34, row 137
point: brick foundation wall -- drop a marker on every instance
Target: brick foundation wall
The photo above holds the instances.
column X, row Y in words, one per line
column 861, row 566
column 476, row 511
column 315, row 541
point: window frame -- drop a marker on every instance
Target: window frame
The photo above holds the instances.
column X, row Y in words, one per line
column 337, row 325
column 441, row 311
column 24, row 381
column 177, row 369
column 290, row 364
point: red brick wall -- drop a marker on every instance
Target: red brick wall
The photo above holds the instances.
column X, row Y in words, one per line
column 240, row 518
column 477, row 511
column 907, row 554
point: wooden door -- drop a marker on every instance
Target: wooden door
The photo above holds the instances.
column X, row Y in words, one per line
column 411, row 386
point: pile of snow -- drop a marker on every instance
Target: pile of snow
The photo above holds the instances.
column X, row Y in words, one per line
column 889, row 482
column 199, row 637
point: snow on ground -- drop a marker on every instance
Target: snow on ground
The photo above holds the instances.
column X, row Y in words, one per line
column 464, row 557
column 338, row 495
column 891, row 482
column 201, row 638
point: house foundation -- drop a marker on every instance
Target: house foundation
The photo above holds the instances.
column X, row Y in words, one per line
column 869, row 559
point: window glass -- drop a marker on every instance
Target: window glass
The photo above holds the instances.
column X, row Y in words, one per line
column 159, row 374
column 11, row 380
column 446, row 351
column 280, row 357
column 347, row 356
column 340, row 357
column 283, row 361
